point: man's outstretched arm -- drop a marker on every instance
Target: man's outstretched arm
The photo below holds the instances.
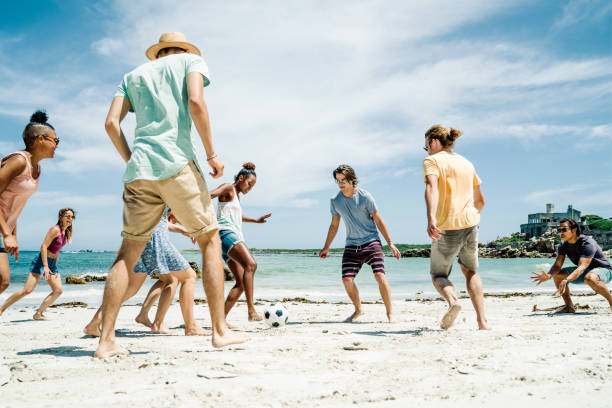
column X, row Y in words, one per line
column 120, row 106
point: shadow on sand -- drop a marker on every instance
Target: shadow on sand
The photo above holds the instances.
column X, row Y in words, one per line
column 60, row 351
column 415, row 332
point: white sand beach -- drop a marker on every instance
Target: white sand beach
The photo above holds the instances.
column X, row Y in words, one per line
column 528, row 359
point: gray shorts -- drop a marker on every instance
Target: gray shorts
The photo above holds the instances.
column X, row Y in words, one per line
column 453, row 243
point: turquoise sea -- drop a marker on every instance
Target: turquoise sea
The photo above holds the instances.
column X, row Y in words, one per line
column 292, row 275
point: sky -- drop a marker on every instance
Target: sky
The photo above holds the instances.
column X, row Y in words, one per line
column 299, row 87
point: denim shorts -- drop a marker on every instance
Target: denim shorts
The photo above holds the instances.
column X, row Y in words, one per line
column 452, row 243
column 37, row 265
column 605, row 274
column 228, row 240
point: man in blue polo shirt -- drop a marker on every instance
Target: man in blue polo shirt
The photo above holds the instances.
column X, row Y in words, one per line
column 592, row 266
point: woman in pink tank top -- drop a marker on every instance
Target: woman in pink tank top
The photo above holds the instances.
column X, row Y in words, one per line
column 45, row 264
column 19, row 175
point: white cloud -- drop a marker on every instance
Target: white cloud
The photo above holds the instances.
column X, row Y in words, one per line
column 590, row 195
column 299, row 87
column 576, row 11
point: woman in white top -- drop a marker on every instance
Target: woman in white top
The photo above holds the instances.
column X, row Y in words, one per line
column 235, row 252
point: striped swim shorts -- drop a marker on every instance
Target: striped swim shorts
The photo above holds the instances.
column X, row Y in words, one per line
column 356, row 255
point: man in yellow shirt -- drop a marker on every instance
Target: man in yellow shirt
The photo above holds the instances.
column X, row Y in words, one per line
column 454, row 201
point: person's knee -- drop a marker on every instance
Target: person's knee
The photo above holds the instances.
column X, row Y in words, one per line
column 4, row 285
column 58, row 291
column 348, row 280
column 251, row 267
column 380, row 277
column 27, row 291
column 590, row 278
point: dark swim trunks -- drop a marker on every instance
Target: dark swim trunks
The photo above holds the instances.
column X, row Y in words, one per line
column 356, row 255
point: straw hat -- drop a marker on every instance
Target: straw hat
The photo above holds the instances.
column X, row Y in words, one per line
column 172, row 39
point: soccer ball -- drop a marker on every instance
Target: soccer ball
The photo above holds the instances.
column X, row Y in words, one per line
column 276, row 315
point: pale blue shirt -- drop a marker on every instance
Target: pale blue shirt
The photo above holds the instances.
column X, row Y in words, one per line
column 356, row 210
column 157, row 92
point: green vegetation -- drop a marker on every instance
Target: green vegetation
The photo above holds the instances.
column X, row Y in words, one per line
column 596, row 222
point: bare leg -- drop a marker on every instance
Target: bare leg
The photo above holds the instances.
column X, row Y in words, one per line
column 474, row 288
column 212, row 279
column 598, row 286
column 353, row 294
column 5, row 273
column 31, row 282
column 187, row 279
column 152, row 296
column 134, row 284
column 114, row 292
column 240, row 253
column 236, row 291
column 55, row 281
column 165, row 300
column 385, row 293
column 569, row 305
column 447, row 290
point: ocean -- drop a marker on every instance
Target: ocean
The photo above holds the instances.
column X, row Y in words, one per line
column 281, row 276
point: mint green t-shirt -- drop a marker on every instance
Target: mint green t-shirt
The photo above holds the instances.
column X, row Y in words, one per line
column 157, row 92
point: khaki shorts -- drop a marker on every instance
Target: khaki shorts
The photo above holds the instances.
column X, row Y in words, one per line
column 461, row 243
column 185, row 193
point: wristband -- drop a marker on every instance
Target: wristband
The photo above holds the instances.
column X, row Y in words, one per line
column 211, row 157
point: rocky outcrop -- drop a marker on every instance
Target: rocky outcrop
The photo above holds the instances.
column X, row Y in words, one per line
column 416, row 253
column 543, row 247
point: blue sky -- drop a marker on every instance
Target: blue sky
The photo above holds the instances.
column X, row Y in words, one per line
column 300, row 87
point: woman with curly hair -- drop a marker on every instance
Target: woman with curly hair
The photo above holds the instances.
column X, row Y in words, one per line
column 45, row 264
column 234, row 250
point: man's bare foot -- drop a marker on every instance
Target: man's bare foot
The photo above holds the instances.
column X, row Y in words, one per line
column 197, row 331
column 92, row 329
column 39, row 316
column 160, row 329
column 110, row 349
column 565, row 309
column 484, row 325
column 144, row 320
column 353, row 317
column 228, row 338
column 391, row 318
column 254, row 317
column 449, row 318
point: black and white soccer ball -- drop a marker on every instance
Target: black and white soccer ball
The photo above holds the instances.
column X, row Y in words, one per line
column 276, row 315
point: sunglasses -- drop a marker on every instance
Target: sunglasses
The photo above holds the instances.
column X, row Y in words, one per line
column 563, row 229
column 53, row 139
column 340, row 181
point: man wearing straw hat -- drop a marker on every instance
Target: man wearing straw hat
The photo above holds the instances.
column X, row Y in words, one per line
column 165, row 94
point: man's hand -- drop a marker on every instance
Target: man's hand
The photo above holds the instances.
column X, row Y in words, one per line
column 11, row 246
column 263, row 218
column 396, row 253
column 432, row 230
column 46, row 273
column 563, row 286
column 217, row 166
column 539, row 277
column 323, row 253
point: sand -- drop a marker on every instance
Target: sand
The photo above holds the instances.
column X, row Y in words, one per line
column 528, row 359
